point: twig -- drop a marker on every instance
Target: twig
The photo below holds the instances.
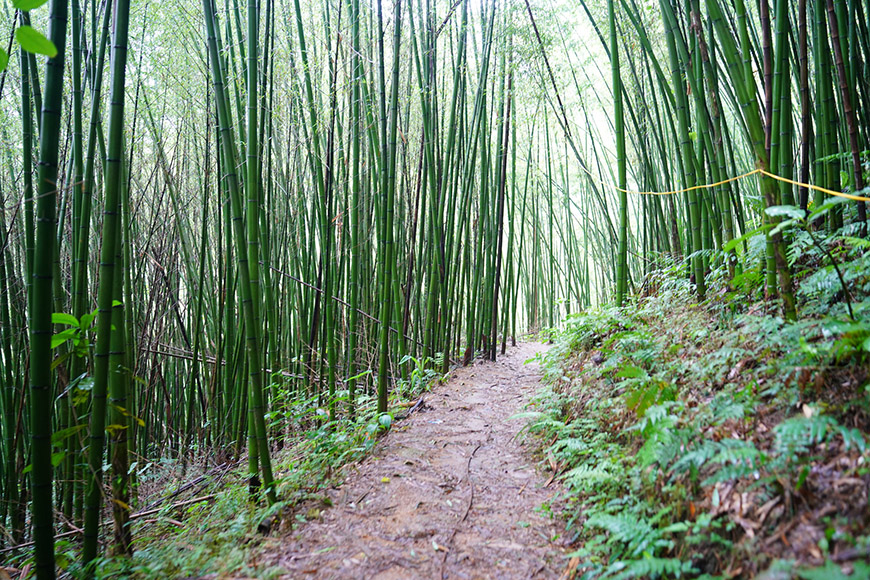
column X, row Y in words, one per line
column 132, row 517
column 222, row 467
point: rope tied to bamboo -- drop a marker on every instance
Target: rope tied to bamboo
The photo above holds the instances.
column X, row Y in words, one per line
column 729, row 180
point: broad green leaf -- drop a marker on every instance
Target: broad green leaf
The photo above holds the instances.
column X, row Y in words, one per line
column 34, row 41
column 64, row 434
column 56, row 458
column 28, row 5
column 829, row 204
column 63, row 336
column 61, row 318
column 788, row 211
column 784, row 225
column 4, row 60
column 737, row 241
column 385, row 420
column 88, row 319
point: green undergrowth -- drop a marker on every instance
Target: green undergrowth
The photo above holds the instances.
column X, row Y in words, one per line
column 228, row 536
column 716, row 440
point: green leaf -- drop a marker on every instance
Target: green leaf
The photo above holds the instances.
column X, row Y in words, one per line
column 56, row 458
column 788, row 211
column 4, row 60
column 829, row 204
column 34, row 41
column 737, row 241
column 61, row 318
column 88, row 319
column 28, row 5
column 64, row 434
column 385, row 420
column 63, row 336
column 361, row 375
column 784, row 225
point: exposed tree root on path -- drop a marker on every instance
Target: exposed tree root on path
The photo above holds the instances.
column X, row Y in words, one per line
column 449, row 493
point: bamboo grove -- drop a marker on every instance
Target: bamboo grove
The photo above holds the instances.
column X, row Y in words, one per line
column 224, row 222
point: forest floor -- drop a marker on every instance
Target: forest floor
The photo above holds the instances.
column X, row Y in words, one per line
column 450, row 492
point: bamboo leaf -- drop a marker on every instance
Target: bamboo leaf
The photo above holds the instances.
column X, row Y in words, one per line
column 826, row 207
column 62, row 318
column 4, row 59
column 788, row 211
column 34, row 41
column 784, row 226
column 28, row 5
column 64, row 434
column 121, row 504
column 737, row 241
column 59, row 360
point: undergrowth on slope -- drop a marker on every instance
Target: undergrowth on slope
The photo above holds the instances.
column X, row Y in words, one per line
column 716, row 440
column 223, row 536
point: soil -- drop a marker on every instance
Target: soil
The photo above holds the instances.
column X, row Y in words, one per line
column 450, row 492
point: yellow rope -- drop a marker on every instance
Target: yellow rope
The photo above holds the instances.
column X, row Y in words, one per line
column 724, row 181
column 814, row 187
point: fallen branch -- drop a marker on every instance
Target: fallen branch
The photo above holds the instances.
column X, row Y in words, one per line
column 132, row 517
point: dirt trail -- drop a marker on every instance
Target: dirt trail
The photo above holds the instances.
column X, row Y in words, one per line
column 462, row 499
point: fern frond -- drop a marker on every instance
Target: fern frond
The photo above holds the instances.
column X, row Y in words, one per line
column 796, row 435
column 649, row 567
column 585, row 478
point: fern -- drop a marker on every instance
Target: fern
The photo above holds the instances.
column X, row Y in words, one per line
column 586, row 478
column 729, row 473
column 823, row 284
column 636, row 535
column 695, row 458
column 852, row 438
column 797, row 435
column 859, row 243
column 801, row 242
column 649, row 567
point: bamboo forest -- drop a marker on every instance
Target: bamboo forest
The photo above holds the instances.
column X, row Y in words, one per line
column 397, row 289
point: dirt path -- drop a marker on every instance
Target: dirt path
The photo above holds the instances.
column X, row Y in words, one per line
column 449, row 493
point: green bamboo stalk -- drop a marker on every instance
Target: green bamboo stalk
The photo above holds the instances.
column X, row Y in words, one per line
column 105, row 296
column 42, row 302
